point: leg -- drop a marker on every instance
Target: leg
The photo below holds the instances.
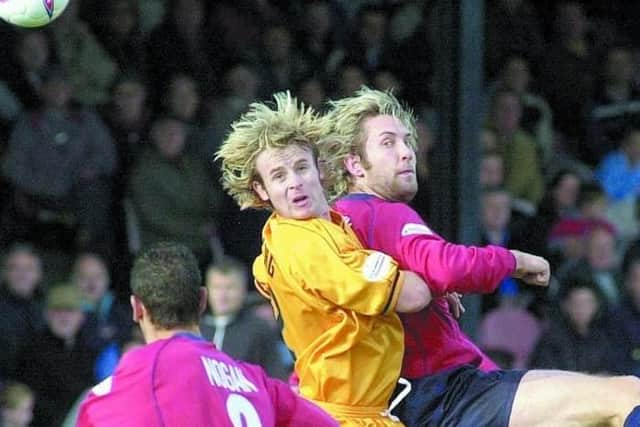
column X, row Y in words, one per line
column 560, row 398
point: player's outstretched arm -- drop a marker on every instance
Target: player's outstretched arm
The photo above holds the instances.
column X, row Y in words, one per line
column 414, row 295
column 531, row 269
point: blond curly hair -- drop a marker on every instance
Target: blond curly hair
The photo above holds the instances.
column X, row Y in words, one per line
column 259, row 129
column 345, row 119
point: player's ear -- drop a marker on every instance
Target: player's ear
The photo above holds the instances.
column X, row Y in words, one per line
column 136, row 308
column 202, row 306
column 353, row 164
column 260, row 191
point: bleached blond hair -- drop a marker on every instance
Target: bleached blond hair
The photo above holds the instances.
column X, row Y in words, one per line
column 262, row 128
column 345, row 121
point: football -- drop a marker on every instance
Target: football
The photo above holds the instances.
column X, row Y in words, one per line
column 31, row 13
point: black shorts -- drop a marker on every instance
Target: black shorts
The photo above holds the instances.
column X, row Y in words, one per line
column 462, row 397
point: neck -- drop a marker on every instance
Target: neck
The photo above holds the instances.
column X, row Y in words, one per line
column 152, row 334
column 361, row 187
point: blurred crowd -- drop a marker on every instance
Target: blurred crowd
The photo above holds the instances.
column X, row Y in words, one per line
column 110, row 116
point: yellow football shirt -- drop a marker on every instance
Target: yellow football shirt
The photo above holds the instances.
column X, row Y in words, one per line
column 336, row 302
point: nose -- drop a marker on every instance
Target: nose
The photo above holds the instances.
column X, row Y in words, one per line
column 406, row 151
column 294, row 181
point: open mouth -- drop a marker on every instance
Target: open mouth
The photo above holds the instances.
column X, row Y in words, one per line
column 299, row 200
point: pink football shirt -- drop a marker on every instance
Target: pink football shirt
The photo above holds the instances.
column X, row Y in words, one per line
column 186, row 381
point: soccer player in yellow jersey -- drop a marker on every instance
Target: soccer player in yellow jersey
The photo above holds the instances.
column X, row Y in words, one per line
column 337, row 301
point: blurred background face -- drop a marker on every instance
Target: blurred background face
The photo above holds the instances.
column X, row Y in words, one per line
column 351, row 79
column 169, row 137
column 277, row 44
column 56, row 92
column 317, row 19
column 566, row 192
column 227, row 292
column 581, row 306
column 601, row 249
column 183, row 99
column 619, row 68
column 22, row 273
column 496, row 210
column 92, row 278
column 373, row 28
column 129, row 99
column 64, row 324
column 311, row 92
column 491, row 171
column 516, row 75
column 242, row 82
column 571, row 21
column 33, row 51
column 121, row 18
column 507, row 112
column 632, row 282
column 20, row 415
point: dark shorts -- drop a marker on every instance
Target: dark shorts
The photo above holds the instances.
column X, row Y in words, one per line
column 462, row 397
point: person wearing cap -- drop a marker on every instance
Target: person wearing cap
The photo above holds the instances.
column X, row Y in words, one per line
column 57, row 364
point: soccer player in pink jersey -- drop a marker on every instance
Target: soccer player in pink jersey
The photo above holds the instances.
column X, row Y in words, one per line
column 179, row 378
column 454, row 384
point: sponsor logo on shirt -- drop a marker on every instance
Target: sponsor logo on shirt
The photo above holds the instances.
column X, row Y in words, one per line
column 411, row 228
column 376, row 266
column 104, row 387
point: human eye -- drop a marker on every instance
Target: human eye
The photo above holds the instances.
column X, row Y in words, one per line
column 387, row 142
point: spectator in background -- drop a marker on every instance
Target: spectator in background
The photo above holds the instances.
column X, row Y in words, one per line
column 599, row 261
column 22, row 79
column 118, row 30
column 574, row 339
column 241, row 87
column 90, row 68
column 16, row 405
column 172, row 192
column 537, row 117
column 108, row 321
column 182, row 100
column 568, row 72
column 370, row 46
column 491, row 169
column 615, row 104
column 349, row 78
column 311, row 91
column 619, row 175
column 127, row 115
column 522, row 163
column 58, row 364
column 232, row 326
column 60, row 161
column 316, row 36
column 281, row 65
column 558, row 202
column 498, row 229
column 20, row 304
column 511, row 26
column 623, row 324
column 179, row 45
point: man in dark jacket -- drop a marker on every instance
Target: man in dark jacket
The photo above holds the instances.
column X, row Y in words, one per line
column 232, row 325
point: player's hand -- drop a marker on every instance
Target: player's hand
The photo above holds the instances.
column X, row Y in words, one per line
column 454, row 300
column 531, row 269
